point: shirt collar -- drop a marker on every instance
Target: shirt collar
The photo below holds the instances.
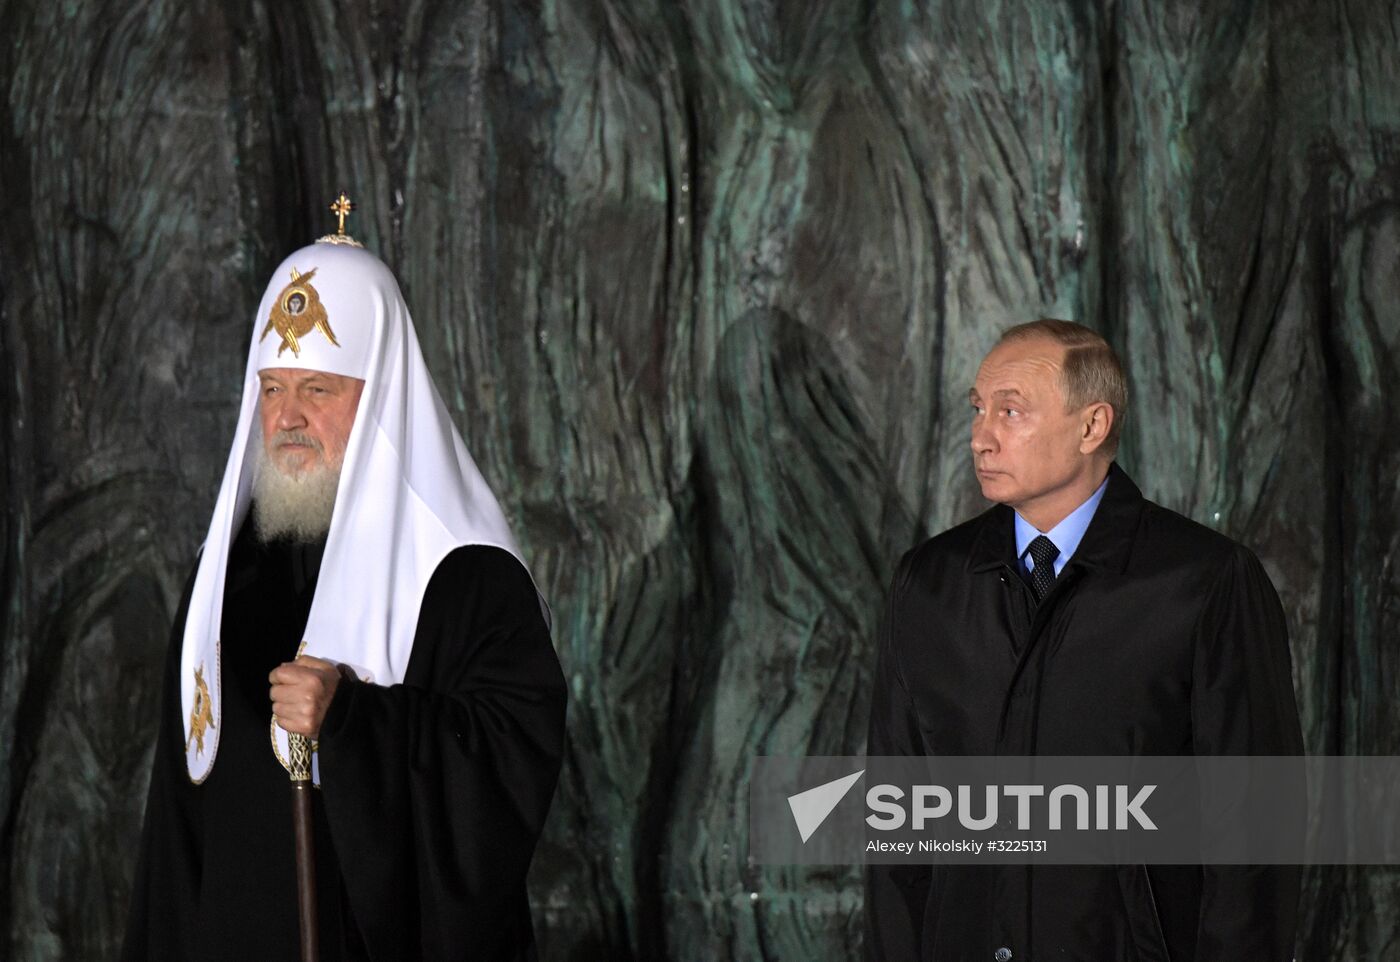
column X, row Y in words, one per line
column 1067, row 534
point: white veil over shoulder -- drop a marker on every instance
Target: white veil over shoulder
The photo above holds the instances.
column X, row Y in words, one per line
column 409, row 491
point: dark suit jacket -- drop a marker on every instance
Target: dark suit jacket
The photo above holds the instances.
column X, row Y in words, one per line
column 1160, row 637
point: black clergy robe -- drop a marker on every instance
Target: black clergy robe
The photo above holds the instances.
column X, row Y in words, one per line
column 1159, row 637
column 433, row 792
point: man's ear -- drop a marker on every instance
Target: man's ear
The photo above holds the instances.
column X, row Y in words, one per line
column 1094, row 428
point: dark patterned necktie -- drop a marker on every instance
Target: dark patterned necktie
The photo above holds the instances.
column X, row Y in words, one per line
column 1043, row 552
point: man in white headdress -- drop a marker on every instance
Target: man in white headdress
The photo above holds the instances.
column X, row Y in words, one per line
column 359, row 585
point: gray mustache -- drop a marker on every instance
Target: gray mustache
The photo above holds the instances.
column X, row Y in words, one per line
column 295, row 437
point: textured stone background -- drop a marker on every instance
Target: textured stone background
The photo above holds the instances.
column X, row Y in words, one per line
column 705, row 283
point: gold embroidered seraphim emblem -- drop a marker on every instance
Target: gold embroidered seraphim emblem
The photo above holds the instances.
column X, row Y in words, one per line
column 297, row 312
column 201, row 715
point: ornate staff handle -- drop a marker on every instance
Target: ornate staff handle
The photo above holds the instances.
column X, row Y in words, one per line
column 299, row 762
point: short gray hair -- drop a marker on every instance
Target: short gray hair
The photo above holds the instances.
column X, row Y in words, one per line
column 1092, row 371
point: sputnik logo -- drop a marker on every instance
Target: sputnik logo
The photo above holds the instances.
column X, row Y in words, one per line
column 810, row 808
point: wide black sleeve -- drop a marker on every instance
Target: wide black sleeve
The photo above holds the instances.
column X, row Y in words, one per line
column 436, row 790
column 1242, row 704
column 165, row 893
column 896, row 896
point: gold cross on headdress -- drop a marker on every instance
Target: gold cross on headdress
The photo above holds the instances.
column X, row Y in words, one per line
column 342, row 208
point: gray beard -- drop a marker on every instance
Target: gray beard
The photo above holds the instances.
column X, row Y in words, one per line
column 292, row 506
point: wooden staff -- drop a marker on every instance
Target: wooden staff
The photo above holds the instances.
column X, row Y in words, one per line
column 299, row 752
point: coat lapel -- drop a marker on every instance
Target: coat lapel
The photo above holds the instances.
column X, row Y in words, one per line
column 1106, row 547
column 1108, row 541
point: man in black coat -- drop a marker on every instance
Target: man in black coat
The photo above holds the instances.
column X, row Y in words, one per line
column 1075, row 617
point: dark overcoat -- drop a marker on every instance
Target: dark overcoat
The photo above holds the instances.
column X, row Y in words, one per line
column 1160, row 637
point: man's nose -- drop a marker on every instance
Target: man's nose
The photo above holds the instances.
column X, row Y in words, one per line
column 290, row 415
column 983, row 440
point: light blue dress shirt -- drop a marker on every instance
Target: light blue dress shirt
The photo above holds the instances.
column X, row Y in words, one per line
column 1066, row 535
